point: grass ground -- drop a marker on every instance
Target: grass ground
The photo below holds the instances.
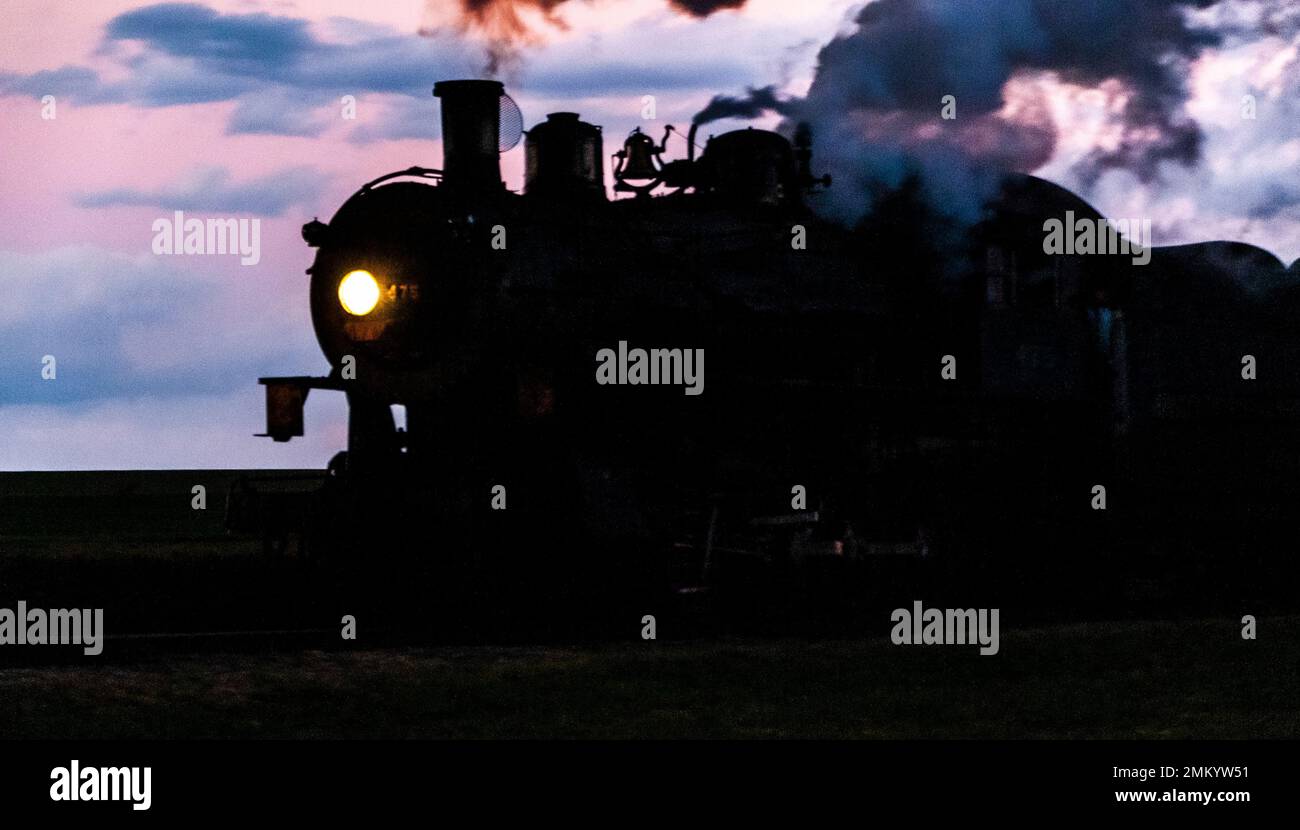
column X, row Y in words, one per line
column 62, row 535
column 1194, row 679
column 117, row 514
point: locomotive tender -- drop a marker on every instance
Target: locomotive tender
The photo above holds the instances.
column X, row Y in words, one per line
column 907, row 387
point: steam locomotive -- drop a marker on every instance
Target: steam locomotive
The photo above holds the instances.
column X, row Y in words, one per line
column 879, row 403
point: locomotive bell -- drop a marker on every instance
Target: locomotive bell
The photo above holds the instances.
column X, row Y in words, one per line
column 637, row 158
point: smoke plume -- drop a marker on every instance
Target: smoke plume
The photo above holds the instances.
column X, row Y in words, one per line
column 876, row 100
column 505, row 25
column 752, row 104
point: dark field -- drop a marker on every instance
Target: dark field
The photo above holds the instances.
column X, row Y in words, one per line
column 1130, row 680
column 133, row 541
column 121, row 514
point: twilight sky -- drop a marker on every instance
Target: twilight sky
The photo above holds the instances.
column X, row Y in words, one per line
column 231, row 108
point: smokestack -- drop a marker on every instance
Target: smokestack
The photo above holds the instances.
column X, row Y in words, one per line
column 471, row 124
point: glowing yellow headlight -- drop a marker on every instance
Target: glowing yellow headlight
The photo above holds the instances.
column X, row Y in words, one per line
column 359, row 293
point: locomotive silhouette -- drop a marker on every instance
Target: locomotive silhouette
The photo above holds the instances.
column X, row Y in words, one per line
column 885, row 408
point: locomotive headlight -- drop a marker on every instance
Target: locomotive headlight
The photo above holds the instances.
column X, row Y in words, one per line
column 359, row 293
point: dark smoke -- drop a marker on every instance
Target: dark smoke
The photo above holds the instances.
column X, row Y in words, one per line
column 876, row 97
column 507, row 30
column 752, row 104
column 500, row 21
column 503, row 15
column 704, row 8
